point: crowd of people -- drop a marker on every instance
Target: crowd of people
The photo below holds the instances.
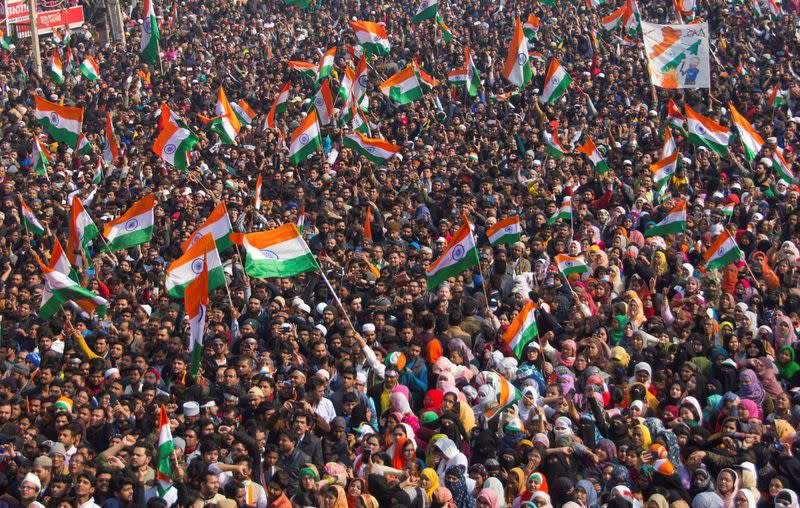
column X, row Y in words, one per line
column 653, row 381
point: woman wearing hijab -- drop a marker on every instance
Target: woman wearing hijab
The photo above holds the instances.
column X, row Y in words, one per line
column 495, row 485
column 788, row 368
column 751, row 388
column 429, row 481
column 355, row 488
column 765, row 371
column 456, row 483
column 488, row 499
column 727, row 487
column 515, row 486
column 333, row 496
column 586, row 494
column 541, row 500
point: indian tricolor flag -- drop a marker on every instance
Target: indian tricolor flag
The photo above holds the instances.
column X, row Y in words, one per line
column 663, row 171
column 59, row 261
column 556, row 83
column 563, row 213
column 523, row 330
column 553, row 146
column 722, row 252
column 674, row 116
column 225, row 124
column 150, row 33
column 186, row 268
column 775, row 96
column 218, row 224
column 279, row 106
column 359, row 84
column 326, row 64
column 427, row 10
column 280, row 252
column 55, row 69
column 166, row 447
column 173, row 144
column 613, row 20
column 670, row 146
column 674, row 222
column 59, row 289
column 195, row 300
column 64, row 123
column 346, row 83
column 457, row 77
column 517, row 69
column 590, row 150
column 307, row 69
column 29, row 220
column 243, row 112
column 111, row 147
column 473, row 77
column 774, row 9
column 90, row 69
column 508, row 396
column 531, row 26
column 425, row 80
column 569, row 265
column 505, row 231
column 403, row 87
column 461, row 253
column 706, row 132
column 305, row 139
column 781, row 166
column 257, row 203
column 84, row 147
column 323, row 103
column 727, row 209
column 82, row 230
column 375, row 149
column 40, row 156
column 751, row 141
column 133, row 228
column 372, row 37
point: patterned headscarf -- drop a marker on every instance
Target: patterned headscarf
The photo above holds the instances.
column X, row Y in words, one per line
column 461, row 495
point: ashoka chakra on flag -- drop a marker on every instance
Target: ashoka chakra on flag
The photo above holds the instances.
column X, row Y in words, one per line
column 197, row 265
column 54, row 119
column 170, row 148
column 521, row 58
column 458, row 252
column 269, row 254
column 131, row 224
column 304, row 138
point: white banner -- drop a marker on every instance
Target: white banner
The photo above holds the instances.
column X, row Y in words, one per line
column 677, row 55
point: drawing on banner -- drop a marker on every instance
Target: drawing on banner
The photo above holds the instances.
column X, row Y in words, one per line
column 677, row 55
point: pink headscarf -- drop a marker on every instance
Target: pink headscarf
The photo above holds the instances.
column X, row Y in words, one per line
column 752, row 408
column 569, row 361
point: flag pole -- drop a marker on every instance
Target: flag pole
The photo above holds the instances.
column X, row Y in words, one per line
column 336, row 298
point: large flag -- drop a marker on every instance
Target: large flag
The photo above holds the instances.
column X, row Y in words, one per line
column 64, row 123
column 569, row 265
column 323, row 103
column 425, row 80
column 218, row 224
column 195, row 300
column 674, row 116
column 372, row 37
column 563, row 213
column 41, row 157
column 457, row 77
column 134, row 227
column 590, row 150
column 613, row 20
column 531, row 26
column 307, row 69
column 427, row 10
column 461, row 253
column 507, row 230
column 280, row 252
column 556, row 83
column 663, row 170
column 523, row 330
column 403, row 87
column 782, row 167
column 670, row 146
column 674, row 222
column 508, row 396
column 326, row 64
column 751, row 141
column 359, row 121
column 59, row 289
column 55, row 69
column 186, row 268
column 706, row 132
column 722, row 252
column 517, row 69
column 305, row 139
column 150, row 33
column 279, row 106
column 473, row 77
column 166, row 447
column 374, row 149
column 225, row 124
column 243, row 112
column 29, row 220
column 346, row 83
column 553, row 146
column 359, row 85
column 173, row 144
column 111, row 148
column 677, row 54
column 59, row 261
column 90, row 69
column 82, row 230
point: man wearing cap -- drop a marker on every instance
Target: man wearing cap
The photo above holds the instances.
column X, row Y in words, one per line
column 29, row 490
